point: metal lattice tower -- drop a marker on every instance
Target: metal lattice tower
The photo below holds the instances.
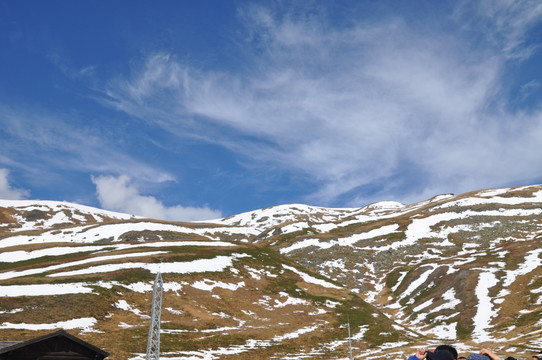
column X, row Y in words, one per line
column 153, row 344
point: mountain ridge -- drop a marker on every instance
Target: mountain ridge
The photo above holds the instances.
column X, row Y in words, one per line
column 455, row 268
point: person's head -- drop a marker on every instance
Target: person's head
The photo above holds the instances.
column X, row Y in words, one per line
column 478, row 357
column 448, row 348
column 535, row 357
column 510, row 358
column 440, row 355
column 461, row 358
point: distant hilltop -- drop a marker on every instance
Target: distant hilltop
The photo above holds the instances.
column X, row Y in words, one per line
column 281, row 282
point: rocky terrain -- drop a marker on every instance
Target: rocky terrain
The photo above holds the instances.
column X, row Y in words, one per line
column 281, row 282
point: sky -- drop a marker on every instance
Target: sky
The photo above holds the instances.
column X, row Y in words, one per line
column 195, row 110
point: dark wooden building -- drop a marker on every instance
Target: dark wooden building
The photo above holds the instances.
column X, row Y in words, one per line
column 55, row 346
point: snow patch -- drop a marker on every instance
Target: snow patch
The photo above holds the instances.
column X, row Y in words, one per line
column 484, row 312
column 210, row 285
column 84, row 324
column 311, row 279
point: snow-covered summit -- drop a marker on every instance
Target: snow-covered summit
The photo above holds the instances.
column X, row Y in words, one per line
column 272, row 216
column 41, row 214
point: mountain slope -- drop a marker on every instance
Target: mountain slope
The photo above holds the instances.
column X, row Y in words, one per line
column 222, row 297
column 281, row 281
column 464, row 267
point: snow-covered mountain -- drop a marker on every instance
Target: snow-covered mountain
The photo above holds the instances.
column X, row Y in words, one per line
column 280, row 282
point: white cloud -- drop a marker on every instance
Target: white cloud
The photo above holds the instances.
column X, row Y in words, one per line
column 118, row 194
column 353, row 106
column 7, row 192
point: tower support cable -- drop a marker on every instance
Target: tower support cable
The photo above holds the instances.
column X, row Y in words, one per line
column 349, row 338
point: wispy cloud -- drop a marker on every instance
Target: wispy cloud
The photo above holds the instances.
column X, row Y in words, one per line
column 46, row 143
column 63, row 64
column 527, row 89
column 8, row 192
column 119, row 194
column 354, row 107
column 504, row 23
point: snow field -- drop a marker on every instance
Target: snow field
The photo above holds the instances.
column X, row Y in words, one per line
column 20, row 255
column 14, row 274
column 77, row 288
column 491, row 197
column 219, row 263
column 349, row 241
column 91, row 233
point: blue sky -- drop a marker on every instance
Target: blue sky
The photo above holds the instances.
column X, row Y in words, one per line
column 191, row 110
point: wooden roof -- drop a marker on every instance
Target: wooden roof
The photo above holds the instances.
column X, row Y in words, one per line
column 57, row 345
column 4, row 344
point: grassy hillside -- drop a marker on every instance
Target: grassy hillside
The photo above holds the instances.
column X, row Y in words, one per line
column 281, row 282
